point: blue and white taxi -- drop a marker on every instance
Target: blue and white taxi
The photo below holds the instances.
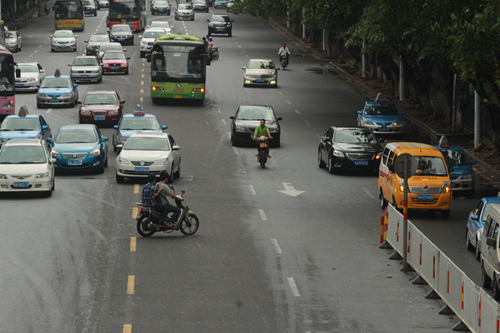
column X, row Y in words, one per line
column 24, row 126
column 130, row 123
column 57, row 90
column 382, row 117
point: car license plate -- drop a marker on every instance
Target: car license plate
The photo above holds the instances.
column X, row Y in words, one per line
column 19, row 85
column 21, row 185
column 78, row 162
column 84, row 75
column 186, row 15
column 115, row 68
column 99, row 117
column 63, row 45
column 220, row 29
column 54, row 99
column 141, row 169
column 363, row 163
column 384, row 129
column 121, row 39
column 453, row 184
column 161, row 11
column 425, row 196
column 177, row 96
column 263, row 144
column 260, row 81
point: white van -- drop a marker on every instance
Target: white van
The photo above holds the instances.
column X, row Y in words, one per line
column 490, row 252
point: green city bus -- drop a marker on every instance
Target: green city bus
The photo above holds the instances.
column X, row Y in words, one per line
column 69, row 15
column 178, row 68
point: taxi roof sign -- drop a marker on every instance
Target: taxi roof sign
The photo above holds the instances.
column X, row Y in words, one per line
column 57, row 73
column 380, row 98
column 139, row 111
column 443, row 142
column 23, row 111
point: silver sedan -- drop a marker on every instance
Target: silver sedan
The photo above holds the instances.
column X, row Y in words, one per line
column 63, row 40
column 86, row 69
column 13, row 41
column 32, row 73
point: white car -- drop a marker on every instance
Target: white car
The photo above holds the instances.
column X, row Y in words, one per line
column 63, row 40
column 148, row 38
column 32, row 73
column 25, row 166
column 146, row 153
column 161, row 25
column 13, row 41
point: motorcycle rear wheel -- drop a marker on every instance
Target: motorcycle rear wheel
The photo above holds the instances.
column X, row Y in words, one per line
column 190, row 225
column 143, row 227
column 216, row 56
column 263, row 158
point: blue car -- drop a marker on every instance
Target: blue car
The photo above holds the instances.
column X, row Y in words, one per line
column 80, row 147
column 57, row 90
column 462, row 174
column 475, row 224
column 382, row 117
column 131, row 123
column 24, row 126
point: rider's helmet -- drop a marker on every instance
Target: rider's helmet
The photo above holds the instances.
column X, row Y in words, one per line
column 210, row 38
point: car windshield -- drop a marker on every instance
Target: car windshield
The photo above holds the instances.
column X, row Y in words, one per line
column 139, row 123
column 355, row 136
column 27, row 68
column 381, row 110
column 153, row 33
column 110, row 47
column 217, row 18
column 56, row 82
column 182, row 6
column 10, row 34
column 120, row 28
column 85, row 62
column 455, row 157
column 161, row 3
column 197, row 2
column 99, row 38
column 87, row 2
column 100, row 99
column 159, row 24
column 20, row 124
column 23, row 155
column 147, row 143
column 430, row 165
column 63, row 34
column 76, row 136
column 260, row 64
column 113, row 56
column 255, row 114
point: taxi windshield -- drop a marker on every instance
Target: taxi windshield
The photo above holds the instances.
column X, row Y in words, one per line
column 23, row 155
column 455, row 157
column 430, row 165
column 381, row 110
column 147, row 143
column 20, row 124
column 56, row 82
column 140, row 124
column 76, row 136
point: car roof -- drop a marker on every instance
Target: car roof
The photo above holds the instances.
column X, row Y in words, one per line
column 149, row 134
column 449, row 148
column 100, row 92
column 384, row 102
column 113, row 51
column 77, row 127
column 131, row 115
column 349, row 128
column 85, row 57
column 28, row 63
column 256, row 106
column 26, row 116
column 58, row 77
column 99, row 33
column 24, row 142
column 270, row 60
column 107, row 43
column 63, row 30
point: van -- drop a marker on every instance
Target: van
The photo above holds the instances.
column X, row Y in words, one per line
column 490, row 252
column 428, row 184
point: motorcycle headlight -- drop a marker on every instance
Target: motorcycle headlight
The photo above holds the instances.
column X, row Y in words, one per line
column 123, row 161
column 42, row 175
column 96, row 152
column 338, row 154
column 55, row 154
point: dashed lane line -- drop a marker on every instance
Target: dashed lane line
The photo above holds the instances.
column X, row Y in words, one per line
column 276, row 246
column 262, row 215
column 135, row 211
column 127, row 328
column 235, row 151
column 368, row 192
column 297, row 112
column 293, row 287
column 130, row 284
column 251, row 189
column 49, row 110
column 136, row 188
column 307, row 123
column 224, row 121
column 133, row 244
column 243, row 169
column 289, row 102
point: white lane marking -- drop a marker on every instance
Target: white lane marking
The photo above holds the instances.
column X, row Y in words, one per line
column 279, row 92
column 239, row 46
column 262, row 215
column 277, row 247
column 243, row 51
column 368, row 192
column 243, row 169
column 224, row 121
column 252, row 190
column 229, row 135
column 297, row 111
column 289, row 102
column 235, row 150
column 219, row 110
column 293, row 287
column 246, row 55
column 307, row 123
column 49, row 110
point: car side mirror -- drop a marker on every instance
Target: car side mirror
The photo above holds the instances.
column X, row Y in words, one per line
column 42, row 70
column 52, row 160
column 51, row 36
column 243, row 67
column 491, row 242
column 38, row 86
column 232, row 20
column 391, row 168
column 360, row 112
column 75, row 85
column 474, row 217
column 381, row 140
column 176, row 148
column 124, row 50
column 85, row 41
column 122, row 102
column 164, row 127
column 115, row 127
column 78, row 102
column 279, row 118
column 18, row 72
column 45, row 127
column 208, row 20
column 232, row 117
column 119, row 146
column 69, row 64
column 104, row 139
column 76, row 36
column 49, row 140
column 128, row 58
column 140, row 37
column 403, row 113
column 451, row 168
column 473, row 162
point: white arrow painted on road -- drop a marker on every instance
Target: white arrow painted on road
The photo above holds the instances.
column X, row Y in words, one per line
column 290, row 190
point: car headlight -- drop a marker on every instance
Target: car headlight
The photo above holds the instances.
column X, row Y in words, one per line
column 96, row 152
column 397, row 123
column 95, row 71
column 445, row 187
column 240, row 128
column 42, row 95
column 123, row 139
column 402, row 186
column 66, row 95
column 42, row 175
column 274, row 130
column 55, row 154
column 368, row 122
column 338, row 154
column 465, row 177
column 210, row 24
column 8, row 104
column 2, row 176
column 34, row 79
column 163, row 161
column 85, row 112
column 123, row 161
column 113, row 112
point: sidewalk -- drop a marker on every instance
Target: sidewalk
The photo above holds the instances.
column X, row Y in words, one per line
column 483, row 168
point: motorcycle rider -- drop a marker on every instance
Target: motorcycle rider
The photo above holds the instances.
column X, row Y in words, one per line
column 261, row 130
column 148, row 198
column 284, row 52
column 210, row 46
column 166, row 192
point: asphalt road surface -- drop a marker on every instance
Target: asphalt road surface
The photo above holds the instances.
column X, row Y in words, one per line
column 289, row 248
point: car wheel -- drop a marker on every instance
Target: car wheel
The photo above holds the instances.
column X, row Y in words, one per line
column 496, row 291
column 277, row 142
column 156, row 100
column 321, row 164
column 106, row 162
column 383, row 202
column 331, row 168
column 171, row 178
column 209, row 34
column 120, row 179
column 152, row 12
column 51, row 50
column 101, row 168
column 53, row 184
column 478, row 250
column 178, row 173
column 99, row 80
column 143, row 55
column 468, row 244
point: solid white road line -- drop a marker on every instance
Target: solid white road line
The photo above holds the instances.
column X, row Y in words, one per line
column 368, row 192
column 279, row 92
column 277, row 247
column 235, row 151
column 252, row 190
column 49, row 110
column 243, row 169
column 293, row 287
column 224, row 121
column 262, row 215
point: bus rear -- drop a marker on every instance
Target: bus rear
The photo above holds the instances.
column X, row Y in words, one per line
column 131, row 12
column 7, row 82
column 69, row 15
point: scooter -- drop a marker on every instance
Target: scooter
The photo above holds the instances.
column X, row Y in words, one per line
column 263, row 151
column 148, row 220
column 47, row 8
column 284, row 61
column 214, row 53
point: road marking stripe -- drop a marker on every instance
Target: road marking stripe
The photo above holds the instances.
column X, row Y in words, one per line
column 243, row 169
column 136, row 188
column 277, row 247
column 235, row 150
column 142, row 83
column 218, row 110
column 307, row 123
column 239, row 46
column 142, row 99
column 297, row 111
column 279, row 92
column 368, row 192
column 130, row 285
column 293, row 287
column 289, row 102
column 133, row 244
column 142, row 75
column 229, row 135
column 135, row 211
column 243, row 51
column 127, row 328
column 262, row 215
column 224, row 121
column 142, row 91
column 252, row 190
column 49, row 110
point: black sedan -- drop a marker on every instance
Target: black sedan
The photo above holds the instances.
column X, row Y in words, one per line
column 121, row 33
column 354, row 148
column 248, row 117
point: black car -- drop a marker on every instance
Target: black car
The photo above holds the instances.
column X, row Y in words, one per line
column 95, row 40
column 90, row 7
column 248, row 117
column 354, row 148
column 121, row 33
column 160, row 7
column 220, row 24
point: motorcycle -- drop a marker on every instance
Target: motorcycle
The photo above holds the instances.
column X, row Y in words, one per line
column 148, row 220
column 47, row 8
column 214, row 53
column 284, row 61
column 263, row 151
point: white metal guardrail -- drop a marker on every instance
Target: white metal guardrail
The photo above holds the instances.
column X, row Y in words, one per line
column 477, row 310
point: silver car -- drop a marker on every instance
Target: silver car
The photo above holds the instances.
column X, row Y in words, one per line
column 184, row 12
column 32, row 74
column 161, row 25
column 260, row 72
column 86, row 69
column 63, row 40
column 148, row 38
column 103, row 4
column 13, row 41
column 200, row 6
column 109, row 47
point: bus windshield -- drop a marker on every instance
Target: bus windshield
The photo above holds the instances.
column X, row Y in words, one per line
column 7, row 77
column 71, row 9
column 124, row 10
column 178, row 62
